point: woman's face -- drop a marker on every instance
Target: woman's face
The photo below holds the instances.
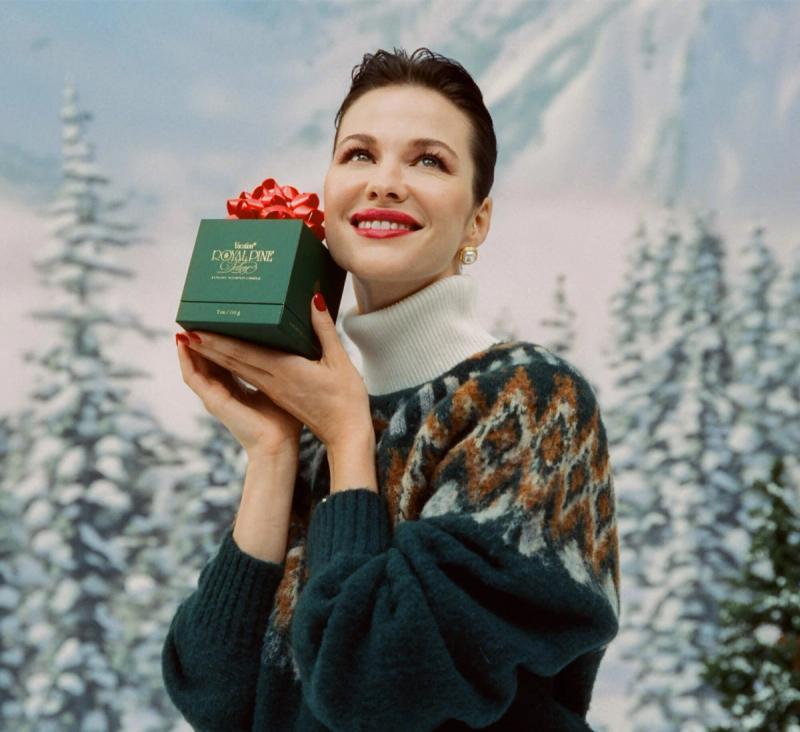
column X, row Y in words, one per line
column 391, row 171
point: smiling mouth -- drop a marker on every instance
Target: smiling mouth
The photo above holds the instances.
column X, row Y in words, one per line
column 384, row 233
column 414, row 227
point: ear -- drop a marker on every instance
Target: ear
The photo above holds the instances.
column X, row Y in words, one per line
column 483, row 219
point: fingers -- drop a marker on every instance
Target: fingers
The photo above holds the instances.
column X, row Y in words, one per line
column 325, row 328
column 225, row 361
column 206, row 379
column 238, row 352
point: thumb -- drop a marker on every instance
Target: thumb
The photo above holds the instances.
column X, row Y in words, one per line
column 324, row 326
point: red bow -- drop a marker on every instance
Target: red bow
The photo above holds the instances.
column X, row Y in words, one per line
column 271, row 201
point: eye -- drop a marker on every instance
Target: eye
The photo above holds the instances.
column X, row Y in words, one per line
column 435, row 157
column 355, row 151
column 350, row 154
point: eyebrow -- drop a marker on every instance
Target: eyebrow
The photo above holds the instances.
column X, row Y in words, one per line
column 417, row 142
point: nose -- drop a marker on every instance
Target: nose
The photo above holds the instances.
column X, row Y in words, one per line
column 386, row 181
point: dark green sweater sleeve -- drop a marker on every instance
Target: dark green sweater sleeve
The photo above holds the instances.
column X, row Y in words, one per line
column 211, row 652
column 405, row 631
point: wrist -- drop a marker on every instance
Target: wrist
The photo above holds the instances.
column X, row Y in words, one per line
column 357, row 440
column 353, row 465
column 259, row 455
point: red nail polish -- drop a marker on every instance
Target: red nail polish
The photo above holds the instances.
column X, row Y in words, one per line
column 181, row 338
column 196, row 338
column 319, row 301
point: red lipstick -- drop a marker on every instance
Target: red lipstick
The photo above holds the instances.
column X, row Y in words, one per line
column 384, row 214
column 382, row 233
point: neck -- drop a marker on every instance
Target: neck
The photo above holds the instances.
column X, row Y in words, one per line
column 419, row 337
column 371, row 296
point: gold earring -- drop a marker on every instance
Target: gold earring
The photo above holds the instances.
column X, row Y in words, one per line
column 468, row 254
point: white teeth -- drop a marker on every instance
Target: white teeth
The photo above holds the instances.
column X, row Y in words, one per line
column 383, row 225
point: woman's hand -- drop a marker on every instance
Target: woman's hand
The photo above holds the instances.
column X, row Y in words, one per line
column 259, row 425
column 328, row 395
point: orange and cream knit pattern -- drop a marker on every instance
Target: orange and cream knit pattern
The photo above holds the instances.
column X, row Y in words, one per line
column 519, row 446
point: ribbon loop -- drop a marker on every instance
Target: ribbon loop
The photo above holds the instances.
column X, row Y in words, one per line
column 271, row 201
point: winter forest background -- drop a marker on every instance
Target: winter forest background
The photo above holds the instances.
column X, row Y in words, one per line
column 645, row 227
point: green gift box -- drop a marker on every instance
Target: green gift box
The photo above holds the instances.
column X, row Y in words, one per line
column 253, row 278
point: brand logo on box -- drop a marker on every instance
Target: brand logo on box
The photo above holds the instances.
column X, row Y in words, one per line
column 244, row 258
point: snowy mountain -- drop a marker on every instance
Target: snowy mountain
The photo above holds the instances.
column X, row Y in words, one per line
column 690, row 101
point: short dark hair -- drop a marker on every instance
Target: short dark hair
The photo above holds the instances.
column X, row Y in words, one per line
column 448, row 77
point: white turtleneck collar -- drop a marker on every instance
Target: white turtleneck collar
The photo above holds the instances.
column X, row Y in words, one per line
column 419, row 337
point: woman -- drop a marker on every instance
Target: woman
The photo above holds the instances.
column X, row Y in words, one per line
column 454, row 562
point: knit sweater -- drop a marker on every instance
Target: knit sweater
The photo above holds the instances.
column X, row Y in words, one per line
column 477, row 589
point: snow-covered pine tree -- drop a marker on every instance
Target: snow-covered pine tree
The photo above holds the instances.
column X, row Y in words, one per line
column 683, row 523
column 204, row 502
column 189, row 513
column 761, row 422
column 558, row 331
column 629, row 310
column 559, row 328
column 756, row 667
column 89, row 475
column 785, row 397
column 13, row 449
column 638, row 309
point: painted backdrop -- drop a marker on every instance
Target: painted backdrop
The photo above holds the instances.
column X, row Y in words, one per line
column 644, row 226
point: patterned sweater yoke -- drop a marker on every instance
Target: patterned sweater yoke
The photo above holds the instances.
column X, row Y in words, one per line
column 477, row 589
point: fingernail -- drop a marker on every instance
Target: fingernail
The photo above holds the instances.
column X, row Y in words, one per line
column 181, row 338
column 319, row 301
column 196, row 338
